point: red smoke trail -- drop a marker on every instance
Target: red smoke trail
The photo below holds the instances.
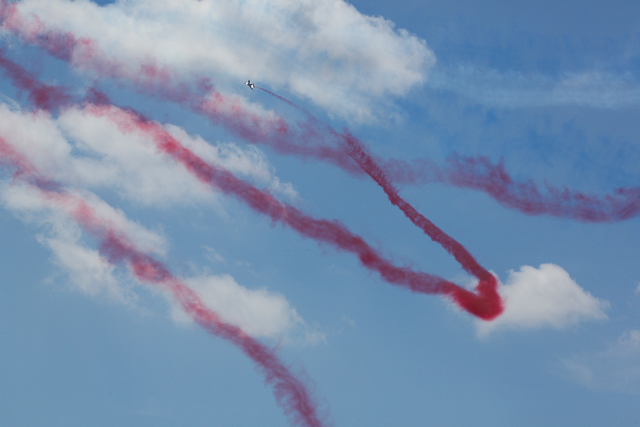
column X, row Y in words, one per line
column 330, row 232
column 290, row 392
column 475, row 173
column 303, row 141
column 59, row 44
column 479, row 173
column 487, row 304
column 487, row 301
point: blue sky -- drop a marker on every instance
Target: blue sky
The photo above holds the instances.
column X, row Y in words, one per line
column 550, row 90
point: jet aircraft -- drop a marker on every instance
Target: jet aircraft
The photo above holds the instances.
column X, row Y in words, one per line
column 251, row 85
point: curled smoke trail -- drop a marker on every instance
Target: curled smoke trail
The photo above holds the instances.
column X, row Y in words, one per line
column 476, row 173
column 486, row 305
column 291, row 393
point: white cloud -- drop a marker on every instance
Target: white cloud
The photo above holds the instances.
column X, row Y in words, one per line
column 31, row 204
column 128, row 161
column 92, row 149
column 515, row 90
column 249, row 163
column 615, row 369
column 258, row 312
column 212, row 255
column 87, row 271
column 543, row 297
column 629, row 340
column 325, row 51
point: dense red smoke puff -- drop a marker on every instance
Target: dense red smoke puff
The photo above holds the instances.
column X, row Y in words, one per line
column 485, row 304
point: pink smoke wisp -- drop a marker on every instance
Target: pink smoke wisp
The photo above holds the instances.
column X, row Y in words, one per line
column 42, row 96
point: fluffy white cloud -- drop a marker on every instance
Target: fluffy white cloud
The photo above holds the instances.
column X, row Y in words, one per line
column 616, row 369
column 258, row 312
column 249, row 163
column 323, row 50
column 127, row 161
column 87, row 271
column 543, row 297
column 32, row 204
column 88, row 150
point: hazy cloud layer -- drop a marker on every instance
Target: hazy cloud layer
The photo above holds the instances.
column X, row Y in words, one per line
column 545, row 297
column 615, row 369
column 325, row 51
column 596, row 89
